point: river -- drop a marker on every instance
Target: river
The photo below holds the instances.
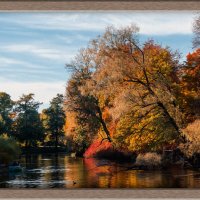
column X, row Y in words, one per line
column 62, row 171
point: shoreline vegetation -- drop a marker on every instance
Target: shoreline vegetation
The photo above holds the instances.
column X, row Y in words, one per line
column 125, row 101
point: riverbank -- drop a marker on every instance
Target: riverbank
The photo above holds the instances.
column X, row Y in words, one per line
column 41, row 150
column 105, row 151
column 150, row 160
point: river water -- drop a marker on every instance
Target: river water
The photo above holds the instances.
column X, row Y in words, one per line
column 62, row 171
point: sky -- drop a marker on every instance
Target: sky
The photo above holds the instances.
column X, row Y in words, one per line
column 34, row 47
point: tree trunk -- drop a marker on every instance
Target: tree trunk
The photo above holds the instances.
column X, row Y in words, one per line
column 103, row 124
column 165, row 111
column 26, row 146
column 56, row 143
column 172, row 121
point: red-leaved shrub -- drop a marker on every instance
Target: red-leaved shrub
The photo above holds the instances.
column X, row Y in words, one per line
column 105, row 150
column 96, row 147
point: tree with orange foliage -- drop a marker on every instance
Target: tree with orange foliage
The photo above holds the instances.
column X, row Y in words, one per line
column 191, row 71
column 82, row 101
column 142, row 81
column 117, row 77
column 190, row 85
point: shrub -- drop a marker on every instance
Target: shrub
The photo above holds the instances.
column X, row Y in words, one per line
column 9, row 150
column 97, row 148
column 149, row 160
column 192, row 135
column 105, row 150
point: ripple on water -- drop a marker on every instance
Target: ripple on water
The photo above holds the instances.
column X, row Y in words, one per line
column 36, row 183
column 46, row 170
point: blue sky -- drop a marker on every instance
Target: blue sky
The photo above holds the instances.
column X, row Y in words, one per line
column 34, row 47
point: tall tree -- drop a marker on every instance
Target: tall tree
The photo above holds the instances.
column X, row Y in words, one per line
column 28, row 126
column 55, row 119
column 143, row 80
column 190, row 85
column 82, row 98
column 6, row 108
column 120, row 77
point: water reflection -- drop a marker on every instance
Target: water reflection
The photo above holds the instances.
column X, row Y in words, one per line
column 62, row 171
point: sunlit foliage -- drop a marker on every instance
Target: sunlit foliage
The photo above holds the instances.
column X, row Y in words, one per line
column 125, row 92
column 190, row 86
column 192, row 133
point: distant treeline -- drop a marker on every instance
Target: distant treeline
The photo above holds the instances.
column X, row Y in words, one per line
column 21, row 121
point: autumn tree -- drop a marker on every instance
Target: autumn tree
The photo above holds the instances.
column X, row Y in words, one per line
column 143, row 81
column 84, row 101
column 128, row 82
column 54, row 120
column 190, row 86
column 151, row 87
column 28, row 126
column 83, row 107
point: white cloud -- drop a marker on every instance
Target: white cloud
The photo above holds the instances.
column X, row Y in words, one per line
column 10, row 62
column 150, row 22
column 49, row 53
column 157, row 22
column 9, row 67
column 39, row 50
column 71, row 39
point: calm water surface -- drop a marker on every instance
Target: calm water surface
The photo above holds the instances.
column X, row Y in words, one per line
column 49, row 171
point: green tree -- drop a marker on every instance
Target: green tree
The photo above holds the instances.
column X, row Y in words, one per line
column 9, row 150
column 28, row 126
column 54, row 120
column 6, row 108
